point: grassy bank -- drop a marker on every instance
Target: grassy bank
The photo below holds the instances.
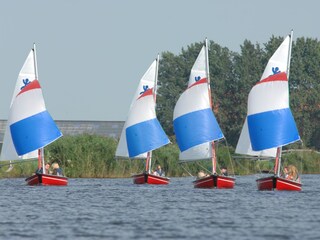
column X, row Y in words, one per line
column 90, row 156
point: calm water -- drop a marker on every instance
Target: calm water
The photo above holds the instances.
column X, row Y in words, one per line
column 117, row 209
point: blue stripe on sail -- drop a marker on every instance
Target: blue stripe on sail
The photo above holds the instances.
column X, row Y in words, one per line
column 145, row 136
column 272, row 129
column 34, row 132
column 196, row 128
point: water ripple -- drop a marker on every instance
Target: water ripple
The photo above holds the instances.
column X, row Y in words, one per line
column 118, row 209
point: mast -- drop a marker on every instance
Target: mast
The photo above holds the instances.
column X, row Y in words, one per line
column 289, row 55
column 41, row 150
column 149, row 154
column 277, row 165
column 213, row 151
column 156, row 80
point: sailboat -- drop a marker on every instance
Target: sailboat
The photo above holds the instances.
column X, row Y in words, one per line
column 142, row 132
column 30, row 126
column 269, row 124
column 195, row 125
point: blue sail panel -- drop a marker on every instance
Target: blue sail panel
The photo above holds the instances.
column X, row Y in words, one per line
column 272, row 129
column 196, row 128
column 145, row 136
column 34, row 132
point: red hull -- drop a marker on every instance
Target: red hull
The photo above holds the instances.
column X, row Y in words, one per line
column 214, row 181
column 149, row 179
column 277, row 183
column 47, row 180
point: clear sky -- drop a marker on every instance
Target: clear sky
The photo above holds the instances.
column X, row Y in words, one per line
column 92, row 53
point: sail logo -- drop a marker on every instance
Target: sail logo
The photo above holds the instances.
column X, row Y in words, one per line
column 25, row 82
column 275, row 70
column 145, row 88
column 197, row 78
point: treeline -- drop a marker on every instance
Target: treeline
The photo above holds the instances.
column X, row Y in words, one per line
column 233, row 75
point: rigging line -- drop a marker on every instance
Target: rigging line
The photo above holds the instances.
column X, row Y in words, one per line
column 300, row 150
column 258, row 161
column 230, row 158
column 261, row 171
column 187, row 171
column 253, row 158
column 242, row 166
column 203, row 168
column 137, row 166
column 18, row 162
column 257, row 176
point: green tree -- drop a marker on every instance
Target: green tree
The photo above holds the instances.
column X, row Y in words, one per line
column 247, row 69
column 305, row 88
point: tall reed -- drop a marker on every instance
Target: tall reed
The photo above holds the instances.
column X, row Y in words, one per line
column 93, row 156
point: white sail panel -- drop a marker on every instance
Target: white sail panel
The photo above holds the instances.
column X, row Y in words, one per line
column 269, row 96
column 279, row 60
column 193, row 99
column 198, row 70
column 202, row 151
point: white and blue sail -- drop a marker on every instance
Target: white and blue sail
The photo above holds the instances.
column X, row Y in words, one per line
column 269, row 123
column 31, row 125
column 194, row 123
column 142, row 131
column 26, row 75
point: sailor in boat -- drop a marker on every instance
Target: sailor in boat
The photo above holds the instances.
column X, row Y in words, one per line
column 293, row 174
column 224, row 171
column 47, row 168
column 201, row 174
column 56, row 169
column 159, row 171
